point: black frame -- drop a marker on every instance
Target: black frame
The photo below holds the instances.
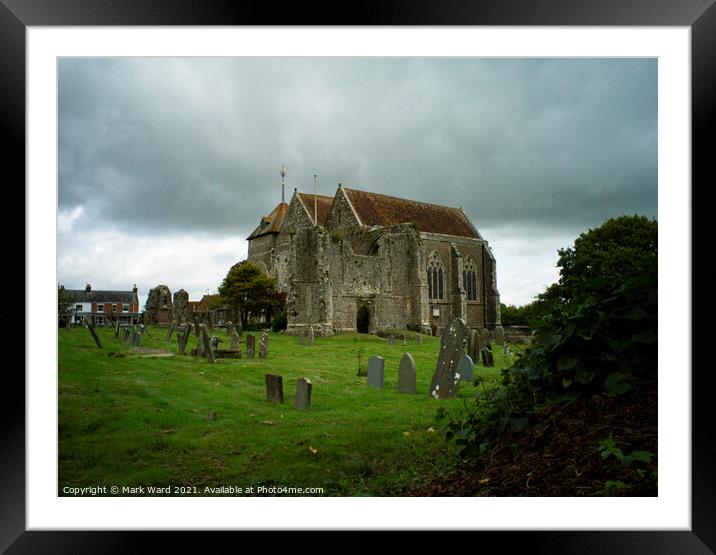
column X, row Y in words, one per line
column 699, row 15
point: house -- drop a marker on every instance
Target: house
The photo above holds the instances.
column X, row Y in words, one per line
column 362, row 261
column 103, row 306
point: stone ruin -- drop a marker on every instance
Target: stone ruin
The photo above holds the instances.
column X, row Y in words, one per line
column 158, row 297
column 181, row 299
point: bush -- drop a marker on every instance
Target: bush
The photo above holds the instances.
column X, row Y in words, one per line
column 279, row 321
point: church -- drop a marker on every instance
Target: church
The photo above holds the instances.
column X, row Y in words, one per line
column 361, row 261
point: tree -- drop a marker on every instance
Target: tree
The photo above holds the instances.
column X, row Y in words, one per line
column 64, row 305
column 248, row 291
column 620, row 249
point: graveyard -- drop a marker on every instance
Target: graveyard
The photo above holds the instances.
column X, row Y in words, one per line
column 135, row 412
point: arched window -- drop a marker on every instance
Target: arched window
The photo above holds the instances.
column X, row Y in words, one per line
column 436, row 277
column 469, row 279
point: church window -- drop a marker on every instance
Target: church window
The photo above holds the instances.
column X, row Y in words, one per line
column 469, row 279
column 436, row 273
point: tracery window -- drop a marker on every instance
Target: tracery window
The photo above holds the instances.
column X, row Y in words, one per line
column 436, row 277
column 469, row 279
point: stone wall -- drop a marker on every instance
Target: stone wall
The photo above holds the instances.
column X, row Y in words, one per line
column 156, row 298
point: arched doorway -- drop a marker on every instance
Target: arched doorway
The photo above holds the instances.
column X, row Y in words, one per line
column 363, row 319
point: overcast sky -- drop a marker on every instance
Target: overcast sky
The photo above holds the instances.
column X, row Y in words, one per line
column 166, row 165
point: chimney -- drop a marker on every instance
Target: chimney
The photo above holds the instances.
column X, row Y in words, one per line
column 88, row 288
column 134, row 290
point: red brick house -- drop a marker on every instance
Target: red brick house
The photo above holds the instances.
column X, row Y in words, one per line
column 102, row 306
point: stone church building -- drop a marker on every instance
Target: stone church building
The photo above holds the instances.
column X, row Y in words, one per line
column 361, row 259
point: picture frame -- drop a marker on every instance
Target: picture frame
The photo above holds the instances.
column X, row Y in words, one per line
column 16, row 16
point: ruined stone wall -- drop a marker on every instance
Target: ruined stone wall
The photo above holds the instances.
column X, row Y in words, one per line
column 180, row 300
column 156, row 298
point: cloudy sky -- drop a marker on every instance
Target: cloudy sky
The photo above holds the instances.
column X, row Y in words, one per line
column 166, row 165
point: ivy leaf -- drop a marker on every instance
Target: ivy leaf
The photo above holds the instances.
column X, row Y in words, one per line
column 566, row 362
column 616, row 385
column 566, row 382
column 583, row 376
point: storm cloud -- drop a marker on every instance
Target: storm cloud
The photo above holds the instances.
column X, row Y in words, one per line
column 535, row 151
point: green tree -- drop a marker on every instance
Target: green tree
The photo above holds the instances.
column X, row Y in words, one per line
column 248, row 291
column 64, row 305
column 619, row 249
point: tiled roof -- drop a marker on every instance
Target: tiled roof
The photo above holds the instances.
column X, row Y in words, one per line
column 323, row 205
column 272, row 222
column 383, row 210
column 82, row 296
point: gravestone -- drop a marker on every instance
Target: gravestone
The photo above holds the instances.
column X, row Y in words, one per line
column 137, row 339
column 490, row 358
column 239, row 329
column 170, row 331
column 301, row 336
column 391, row 340
column 184, row 338
column 499, row 335
column 229, row 328
column 250, row 345
column 263, row 346
column 419, row 339
column 310, row 336
column 485, row 336
column 506, row 350
column 474, row 346
column 134, row 336
column 126, row 335
column 465, row 368
column 376, row 371
column 405, row 340
column 90, row 327
column 210, row 321
column 116, row 329
column 406, row 374
column 197, row 331
column 200, row 346
column 206, row 342
column 234, row 340
column 445, row 382
column 214, row 342
column 181, row 346
column 303, row 394
column 487, row 359
column 274, row 388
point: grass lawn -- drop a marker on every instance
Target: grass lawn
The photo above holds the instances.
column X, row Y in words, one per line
column 138, row 421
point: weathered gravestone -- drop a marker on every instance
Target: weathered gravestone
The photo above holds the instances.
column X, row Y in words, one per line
column 126, row 335
column 406, row 374
column 485, row 336
column 263, row 346
column 490, row 358
column 376, row 371
column 181, row 346
column 116, row 329
column 474, row 346
column 137, row 338
column 250, row 345
column 214, row 342
column 206, row 342
column 301, row 336
column 274, row 388
column 506, row 351
column 197, row 330
column 235, row 341
column 200, row 346
column 229, row 328
column 184, row 338
column 499, row 335
column 419, row 339
column 464, row 368
column 487, row 359
column 391, row 340
column 90, row 327
column 170, row 331
column 445, row 381
column 303, row 394
column 310, row 336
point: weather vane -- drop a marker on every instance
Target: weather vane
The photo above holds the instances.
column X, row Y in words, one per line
column 284, row 171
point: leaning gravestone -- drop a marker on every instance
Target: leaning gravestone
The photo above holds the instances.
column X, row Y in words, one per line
column 310, row 336
column 206, row 342
column 303, row 394
column 274, row 388
column 445, row 380
column 474, row 346
column 465, row 368
column 170, row 331
column 487, row 359
column 90, row 327
column 234, row 340
column 499, row 335
column 181, row 345
column 200, row 347
column 406, row 374
column 376, row 371
column 229, row 328
column 250, row 345
column 263, row 346
column 116, row 329
column 490, row 358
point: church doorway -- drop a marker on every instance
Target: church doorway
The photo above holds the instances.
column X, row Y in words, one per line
column 363, row 319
